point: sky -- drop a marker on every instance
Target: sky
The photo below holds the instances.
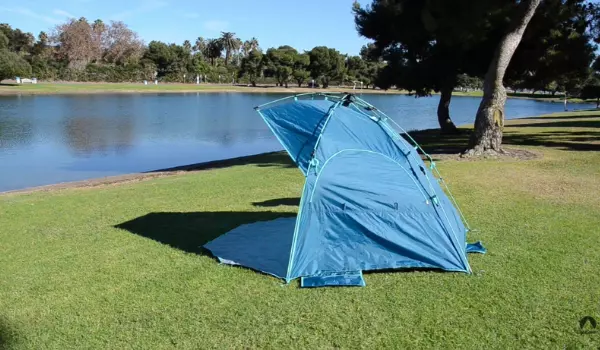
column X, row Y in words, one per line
column 300, row 24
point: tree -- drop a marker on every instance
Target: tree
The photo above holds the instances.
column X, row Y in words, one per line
column 77, row 42
column 300, row 76
column 213, row 50
column 249, row 45
column 489, row 121
column 18, row 41
column 556, row 50
column 325, row 64
column 300, row 72
column 121, row 44
column 200, row 45
column 252, row 66
column 12, row 65
column 230, row 44
column 281, row 62
column 3, row 41
column 428, row 43
column 591, row 90
column 187, row 45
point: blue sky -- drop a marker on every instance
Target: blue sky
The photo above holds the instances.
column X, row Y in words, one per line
column 301, row 24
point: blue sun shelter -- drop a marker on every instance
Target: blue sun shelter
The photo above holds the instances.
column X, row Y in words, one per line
column 369, row 201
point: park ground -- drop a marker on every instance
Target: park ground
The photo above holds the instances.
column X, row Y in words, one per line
column 87, row 88
column 119, row 266
column 90, row 88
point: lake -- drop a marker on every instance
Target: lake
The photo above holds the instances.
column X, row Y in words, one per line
column 59, row 138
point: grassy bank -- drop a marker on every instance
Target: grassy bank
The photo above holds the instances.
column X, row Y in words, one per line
column 91, row 88
column 118, row 266
column 528, row 96
column 97, row 88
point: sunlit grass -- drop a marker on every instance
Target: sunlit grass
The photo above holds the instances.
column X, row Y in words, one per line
column 116, row 266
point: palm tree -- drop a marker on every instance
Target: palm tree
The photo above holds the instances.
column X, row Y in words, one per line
column 249, row 46
column 253, row 44
column 187, row 46
column 200, row 45
column 230, row 43
column 213, row 50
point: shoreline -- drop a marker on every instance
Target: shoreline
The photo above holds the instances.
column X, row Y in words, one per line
column 126, row 88
column 274, row 157
column 93, row 88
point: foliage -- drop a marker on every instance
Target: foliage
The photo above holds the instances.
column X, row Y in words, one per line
column 362, row 70
column 556, row 49
column 466, row 82
column 591, row 90
column 213, row 50
column 326, row 64
column 300, row 75
column 230, row 43
column 252, row 65
column 430, row 43
column 281, row 63
column 13, row 65
column 3, row 41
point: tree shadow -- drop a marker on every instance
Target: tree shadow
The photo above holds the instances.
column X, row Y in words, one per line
column 564, row 141
column 561, row 124
column 434, row 141
column 7, row 335
column 574, row 137
column 277, row 202
column 273, row 159
column 190, row 231
column 564, row 117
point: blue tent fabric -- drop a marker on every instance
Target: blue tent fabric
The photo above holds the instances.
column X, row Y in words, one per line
column 369, row 201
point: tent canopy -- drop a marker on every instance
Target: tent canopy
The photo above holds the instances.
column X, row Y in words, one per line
column 369, row 201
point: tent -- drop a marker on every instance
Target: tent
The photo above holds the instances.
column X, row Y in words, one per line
column 369, row 201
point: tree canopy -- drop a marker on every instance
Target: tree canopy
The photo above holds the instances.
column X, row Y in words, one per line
column 13, row 65
column 430, row 45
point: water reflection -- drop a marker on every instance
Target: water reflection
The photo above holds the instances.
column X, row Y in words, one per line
column 49, row 139
column 15, row 133
column 88, row 137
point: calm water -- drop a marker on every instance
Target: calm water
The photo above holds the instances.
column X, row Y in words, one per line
column 51, row 139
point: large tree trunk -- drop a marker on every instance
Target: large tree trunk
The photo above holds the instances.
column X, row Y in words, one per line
column 443, row 112
column 489, row 122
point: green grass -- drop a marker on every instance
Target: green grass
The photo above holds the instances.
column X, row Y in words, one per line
column 558, row 98
column 118, row 266
column 90, row 88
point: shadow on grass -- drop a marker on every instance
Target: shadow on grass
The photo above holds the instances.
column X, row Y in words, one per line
column 276, row 159
column 565, row 123
column 7, row 335
column 566, row 117
column 434, row 142
column 190, row 231
column 277, row 202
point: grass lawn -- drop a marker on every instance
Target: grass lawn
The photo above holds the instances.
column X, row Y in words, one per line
column 118, row 266
column 558, row 98
column 86, row 88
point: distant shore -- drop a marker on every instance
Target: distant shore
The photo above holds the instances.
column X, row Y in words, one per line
column 66, row 88
column 110, row 88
